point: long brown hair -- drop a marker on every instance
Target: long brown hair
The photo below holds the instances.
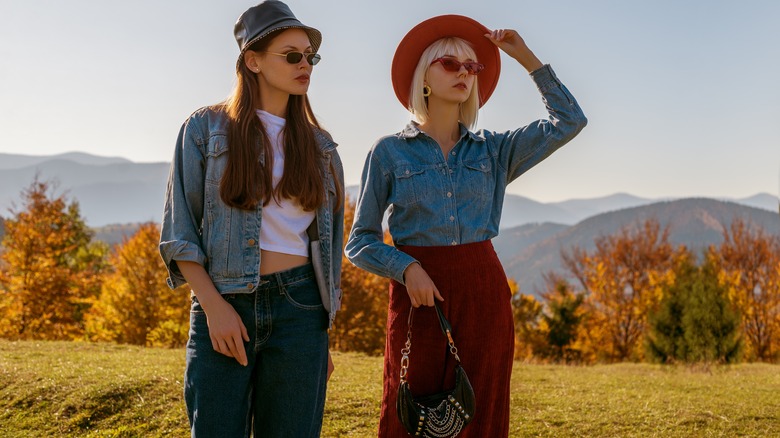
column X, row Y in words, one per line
column 246, row 182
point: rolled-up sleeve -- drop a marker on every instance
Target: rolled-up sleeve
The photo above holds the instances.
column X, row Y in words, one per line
column 365, row 247
column 180, row 235
column 522, row 149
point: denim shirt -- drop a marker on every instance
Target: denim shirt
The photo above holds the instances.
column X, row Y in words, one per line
column 435, row 200
column 198, row 227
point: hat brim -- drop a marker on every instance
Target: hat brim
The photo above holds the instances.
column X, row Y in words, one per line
column 412, row 46
column 315, row 37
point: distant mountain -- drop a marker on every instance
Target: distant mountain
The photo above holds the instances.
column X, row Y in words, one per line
column 580, row 209
column 112, row 190
column 108, row 190
column 519, row 210
column 115, row 233
column 696, row 223
column 762, row 200
column 14, row 161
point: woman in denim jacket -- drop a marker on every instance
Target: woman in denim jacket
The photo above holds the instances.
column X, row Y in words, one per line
column 444, row 186
column 253, row 222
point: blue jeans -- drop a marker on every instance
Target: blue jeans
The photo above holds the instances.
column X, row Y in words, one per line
column 281, row 392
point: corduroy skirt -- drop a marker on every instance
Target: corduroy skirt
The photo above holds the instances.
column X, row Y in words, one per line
column 477, row 302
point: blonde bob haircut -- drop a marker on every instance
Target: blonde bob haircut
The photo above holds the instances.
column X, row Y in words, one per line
column 418, row 104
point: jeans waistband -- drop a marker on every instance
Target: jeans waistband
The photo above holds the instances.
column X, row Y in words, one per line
column 289, row 276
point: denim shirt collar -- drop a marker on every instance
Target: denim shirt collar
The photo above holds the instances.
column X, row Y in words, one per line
column 413, row 130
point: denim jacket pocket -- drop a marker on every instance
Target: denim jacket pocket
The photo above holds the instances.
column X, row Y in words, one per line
column 478, row 179
column 216, row 158
column 218, row 216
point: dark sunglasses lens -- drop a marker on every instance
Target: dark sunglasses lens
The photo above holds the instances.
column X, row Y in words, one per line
column 294, row 57
column 313, row 58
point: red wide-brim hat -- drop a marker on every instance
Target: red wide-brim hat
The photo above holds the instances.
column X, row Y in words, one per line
column 412, row 46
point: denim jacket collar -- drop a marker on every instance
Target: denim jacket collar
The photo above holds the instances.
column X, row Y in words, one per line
column 413, row 130
column 325, row 141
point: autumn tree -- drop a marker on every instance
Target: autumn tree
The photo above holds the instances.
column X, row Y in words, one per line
column 695, row 322
column 49, row 269
column 360, row 325
column 526, row 312
column 135, row 305
column 749, row 265
column 560, row 320
column 622, row 279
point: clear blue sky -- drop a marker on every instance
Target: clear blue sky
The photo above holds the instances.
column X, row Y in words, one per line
column 682, row 97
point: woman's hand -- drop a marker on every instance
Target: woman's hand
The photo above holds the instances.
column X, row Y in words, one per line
column 226, row 329
column 513, row 45
column 331, row 367
column 420, row 287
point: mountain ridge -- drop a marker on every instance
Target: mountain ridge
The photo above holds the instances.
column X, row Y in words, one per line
column 694, row 222
column 114, row 190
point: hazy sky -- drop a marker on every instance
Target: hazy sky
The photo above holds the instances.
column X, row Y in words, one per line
column 682, row 97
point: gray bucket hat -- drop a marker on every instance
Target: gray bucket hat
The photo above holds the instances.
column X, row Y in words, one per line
column 259, row 21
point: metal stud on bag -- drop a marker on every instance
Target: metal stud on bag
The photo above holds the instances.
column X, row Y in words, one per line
column 437, row 415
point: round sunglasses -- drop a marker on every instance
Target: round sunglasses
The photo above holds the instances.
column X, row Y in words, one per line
column 453, row 65
column 295, row 57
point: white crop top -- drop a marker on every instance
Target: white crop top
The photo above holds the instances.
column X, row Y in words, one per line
column 284, row 224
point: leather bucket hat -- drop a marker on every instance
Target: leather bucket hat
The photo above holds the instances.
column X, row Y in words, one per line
column 271, row 15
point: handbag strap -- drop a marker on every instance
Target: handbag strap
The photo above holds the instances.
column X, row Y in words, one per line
column 446, row 328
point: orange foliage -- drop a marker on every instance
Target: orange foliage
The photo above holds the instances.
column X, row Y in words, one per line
column 49, row 270
column 135, row 305
column 749, row 264
column 623, row 279
column 360, row 324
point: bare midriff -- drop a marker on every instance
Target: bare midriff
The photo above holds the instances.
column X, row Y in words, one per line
column 276, row 261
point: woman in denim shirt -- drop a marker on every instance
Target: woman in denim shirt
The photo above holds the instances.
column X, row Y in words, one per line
column 444, row 187
column 253, row 222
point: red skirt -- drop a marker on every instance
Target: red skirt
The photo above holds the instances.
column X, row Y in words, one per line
column 477, row 302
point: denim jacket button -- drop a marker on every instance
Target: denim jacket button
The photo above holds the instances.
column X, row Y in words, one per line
column 251, row 242
column 454, row 242
column 250, row 285
column 407, row 171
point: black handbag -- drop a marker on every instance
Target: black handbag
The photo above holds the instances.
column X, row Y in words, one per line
column 437, row 415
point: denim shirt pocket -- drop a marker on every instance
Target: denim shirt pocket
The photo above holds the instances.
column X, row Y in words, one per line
column 412, row 185
column 478, row 180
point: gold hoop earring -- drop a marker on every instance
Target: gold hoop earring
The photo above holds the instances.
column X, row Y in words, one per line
column 426, row 91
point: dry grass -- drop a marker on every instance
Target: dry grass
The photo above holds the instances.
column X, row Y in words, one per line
column 104, row 390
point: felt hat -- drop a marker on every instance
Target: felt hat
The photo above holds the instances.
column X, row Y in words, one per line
column 412, row 46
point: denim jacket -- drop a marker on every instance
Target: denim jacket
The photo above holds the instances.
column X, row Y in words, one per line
column 435, row 200
column 198, row 227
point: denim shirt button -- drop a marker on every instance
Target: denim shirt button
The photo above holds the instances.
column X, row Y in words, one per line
column 407, row 171
column 454, row 242
column 453, row 153
column 452, row 218
column 449, row 194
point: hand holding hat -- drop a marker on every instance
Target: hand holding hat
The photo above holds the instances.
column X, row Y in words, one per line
column 511, row 43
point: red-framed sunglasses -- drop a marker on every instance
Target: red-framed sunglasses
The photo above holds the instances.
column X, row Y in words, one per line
column 453, row 65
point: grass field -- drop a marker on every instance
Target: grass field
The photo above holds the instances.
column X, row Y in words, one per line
column 103, row 390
